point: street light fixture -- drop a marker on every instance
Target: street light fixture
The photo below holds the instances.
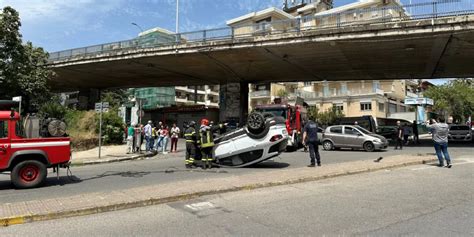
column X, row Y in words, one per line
column 138, row 26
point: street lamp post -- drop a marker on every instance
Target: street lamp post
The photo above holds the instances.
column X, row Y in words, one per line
column 177, row 16
column 138, row 26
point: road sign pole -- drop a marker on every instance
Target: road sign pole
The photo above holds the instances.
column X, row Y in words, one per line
column 100, row 128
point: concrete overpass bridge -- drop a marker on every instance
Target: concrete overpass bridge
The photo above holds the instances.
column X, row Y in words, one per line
column 435, row 45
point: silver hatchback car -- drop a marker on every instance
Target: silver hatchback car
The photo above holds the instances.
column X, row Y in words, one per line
column 355, row 137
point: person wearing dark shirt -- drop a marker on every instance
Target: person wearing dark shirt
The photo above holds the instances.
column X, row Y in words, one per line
column 399, row 136
column 310, row 138
column 416, row 138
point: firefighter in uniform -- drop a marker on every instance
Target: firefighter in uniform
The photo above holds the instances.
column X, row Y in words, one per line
column 191, row 144
column 206, row 137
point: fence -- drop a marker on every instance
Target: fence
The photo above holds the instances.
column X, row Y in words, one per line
column 374, row 15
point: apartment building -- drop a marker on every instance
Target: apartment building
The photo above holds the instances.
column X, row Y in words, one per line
column 353, row 98
column 314, row 14
column 158, row 97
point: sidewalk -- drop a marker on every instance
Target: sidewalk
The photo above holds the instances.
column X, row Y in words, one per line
column 92, row 203
column 113, row 153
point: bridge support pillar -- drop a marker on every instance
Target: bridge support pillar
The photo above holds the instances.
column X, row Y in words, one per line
column 233, row 102
column 87, row 98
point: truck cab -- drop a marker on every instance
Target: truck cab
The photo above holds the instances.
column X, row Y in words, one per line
column 294, row 116
column 27, row 159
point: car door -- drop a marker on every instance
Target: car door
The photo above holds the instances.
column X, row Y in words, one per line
column 350, row 138
column 353, row 137
column 336, row 136
column 5, row 146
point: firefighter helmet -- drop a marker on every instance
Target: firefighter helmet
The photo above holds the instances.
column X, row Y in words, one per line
column 205, row 122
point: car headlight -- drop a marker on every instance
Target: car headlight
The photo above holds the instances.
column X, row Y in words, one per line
column 377, row 140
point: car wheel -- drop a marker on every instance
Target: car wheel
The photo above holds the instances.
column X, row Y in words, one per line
column 28, row 174
column 327, row 145
column 256, row 123
column 369, row 146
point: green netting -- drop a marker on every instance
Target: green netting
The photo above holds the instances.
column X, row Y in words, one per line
column 156, row 97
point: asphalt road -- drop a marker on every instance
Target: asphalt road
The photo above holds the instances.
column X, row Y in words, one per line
column 170, row 168
column 419, row 200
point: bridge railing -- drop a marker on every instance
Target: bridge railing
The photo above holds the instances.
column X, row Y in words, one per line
column 392, row 12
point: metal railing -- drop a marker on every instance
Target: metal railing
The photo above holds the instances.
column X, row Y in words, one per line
column 264, row 93
column 365, row 16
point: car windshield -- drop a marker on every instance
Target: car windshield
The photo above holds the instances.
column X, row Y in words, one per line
column 275, row 111
column 363, row 130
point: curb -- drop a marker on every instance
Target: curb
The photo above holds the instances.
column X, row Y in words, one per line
column 104, row 161
column 186, row 196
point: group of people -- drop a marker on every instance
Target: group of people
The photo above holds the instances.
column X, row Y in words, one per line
column 404, row 132
column 200, row 143
column 156, row 137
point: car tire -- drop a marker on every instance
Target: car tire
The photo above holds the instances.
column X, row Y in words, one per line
column 256, row 123
column 28, row 174
column 327, row 145
column 369, row 146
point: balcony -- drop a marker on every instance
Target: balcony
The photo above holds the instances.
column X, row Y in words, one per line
column 189, row 89
column 264, row 93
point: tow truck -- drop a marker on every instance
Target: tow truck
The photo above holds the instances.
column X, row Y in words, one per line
column 28, row 159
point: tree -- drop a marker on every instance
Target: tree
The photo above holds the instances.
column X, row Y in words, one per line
column 327, row 118
column 282, row 93
column 455, row 98
column 23, row 67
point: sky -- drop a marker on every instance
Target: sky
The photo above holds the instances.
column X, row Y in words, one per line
column 64, row 24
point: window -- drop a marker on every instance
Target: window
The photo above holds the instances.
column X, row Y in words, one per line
column 381, row 107
column 344, row 88
column 3, row 129
column 392, row 108
column 337, row 129
column 308, row 83
column 339, row 107
column 326, row 90
column 403, row 109
column 365, row 106
column 375, row 86
column 350, row 131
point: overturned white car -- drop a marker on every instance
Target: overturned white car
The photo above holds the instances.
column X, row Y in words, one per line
column 263, row 138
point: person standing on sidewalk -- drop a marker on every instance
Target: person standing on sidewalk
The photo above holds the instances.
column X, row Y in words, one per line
column 148, row 136
column 399, row 136
column 440, row 139
column 191, row 144
column 165, row 135
column 130, row 133
column 174, row 137
column 310, row 138
column 138, row 138
column 416, row 137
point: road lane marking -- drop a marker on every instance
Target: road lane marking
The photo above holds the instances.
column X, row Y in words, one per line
column 200, row 206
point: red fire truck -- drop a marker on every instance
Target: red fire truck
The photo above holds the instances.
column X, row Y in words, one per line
column 28, row 158
column 294, row 115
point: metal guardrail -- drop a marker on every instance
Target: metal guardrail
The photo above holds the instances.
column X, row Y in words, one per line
column 386, row 14
column 264, row 93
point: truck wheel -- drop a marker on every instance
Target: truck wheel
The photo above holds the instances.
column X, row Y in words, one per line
column 28, row 174
column 256, row 123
